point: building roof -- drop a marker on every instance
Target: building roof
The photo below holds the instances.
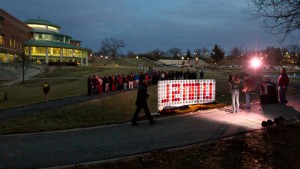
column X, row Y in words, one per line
column 41, row 22
column 179, row 62
column 13, row 19
column 43, row 43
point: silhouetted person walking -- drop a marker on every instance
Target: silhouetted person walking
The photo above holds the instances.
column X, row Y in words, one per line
column 46, row 89
column 5, row 96
column 141, row 102
column 89, row 86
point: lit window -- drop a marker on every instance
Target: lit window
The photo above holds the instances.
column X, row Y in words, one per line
column 26, row 50
column 1, row 40
column 47, row 37
column 39, row 51
column 67, row 52
column 56, row 51
column 58, row 38
column 52, row 28
column 36, row 26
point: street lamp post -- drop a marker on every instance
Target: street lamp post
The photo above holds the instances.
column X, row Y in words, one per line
column 137, row 62
column 182, row 58
column 197, row 63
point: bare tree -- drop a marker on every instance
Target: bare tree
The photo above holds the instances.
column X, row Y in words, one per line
column 22, row 64
column 197, row 52
column 279, row 16
column 156, row 54
column 294, row 52
column 174, row 52
column 110, row 46
column 273, row 55
column 204, row 53
column 131, row 54
column 236, row 53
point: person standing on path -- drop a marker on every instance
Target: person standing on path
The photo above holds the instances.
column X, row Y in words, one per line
column 201, row 74
column 89, row 86
column 5, row 96
column 229, row 83
column 249, row 86
column 130, row 81
column 136, row 80
column 283, row 82
column 235, row 93
column 46, row 89
column 141, row 102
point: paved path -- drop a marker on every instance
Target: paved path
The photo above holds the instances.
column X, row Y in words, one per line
column 11, row 112
column 106, row 142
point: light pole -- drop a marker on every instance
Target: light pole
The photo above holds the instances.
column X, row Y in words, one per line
column 182, row 58
column 137, row 62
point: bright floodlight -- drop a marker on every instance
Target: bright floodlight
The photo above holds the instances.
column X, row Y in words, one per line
column 255, row 63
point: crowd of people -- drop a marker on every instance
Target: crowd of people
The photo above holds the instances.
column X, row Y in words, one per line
column 109, row 83
column 97, row 84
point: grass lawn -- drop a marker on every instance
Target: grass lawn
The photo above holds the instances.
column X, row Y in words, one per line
column 32, row 91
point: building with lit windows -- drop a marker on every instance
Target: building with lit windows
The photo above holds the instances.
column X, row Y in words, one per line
column 38, row 39
column 13, row 33
column 48, row 45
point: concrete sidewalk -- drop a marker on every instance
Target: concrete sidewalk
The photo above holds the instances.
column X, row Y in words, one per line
column 107, row 142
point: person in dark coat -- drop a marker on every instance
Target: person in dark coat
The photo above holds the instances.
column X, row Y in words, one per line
column 106, row 83
column 46, row 89
column 248, row 87
column 89, row 85
column 201, row 74
column 141, row 102
column 283, row 82
column 5, row 97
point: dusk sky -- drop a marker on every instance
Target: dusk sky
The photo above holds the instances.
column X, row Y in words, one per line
column 146, row 25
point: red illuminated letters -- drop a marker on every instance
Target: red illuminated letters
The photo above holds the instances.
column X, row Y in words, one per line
column 187, row 91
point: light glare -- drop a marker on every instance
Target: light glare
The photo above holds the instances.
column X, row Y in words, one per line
column 255, row 63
